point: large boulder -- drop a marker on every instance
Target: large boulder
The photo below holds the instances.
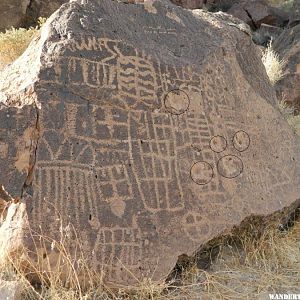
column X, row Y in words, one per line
column 148, row 129
column 288, row 48
column 24, row 13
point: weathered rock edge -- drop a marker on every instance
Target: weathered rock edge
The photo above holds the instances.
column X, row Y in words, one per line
column 34, row 85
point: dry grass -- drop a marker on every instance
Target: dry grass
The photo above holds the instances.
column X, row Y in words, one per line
column 247, row 266
column 284, row 4
column 13, row 42
column 289, row 114
column 273, row 64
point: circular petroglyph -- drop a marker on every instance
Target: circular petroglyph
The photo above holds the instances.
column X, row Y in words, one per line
column 241, row 141
column 202, row 172
column 218, row 144
column 177, row 102
column 230, row 166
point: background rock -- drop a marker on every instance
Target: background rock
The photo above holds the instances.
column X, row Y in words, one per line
column 256, row 12
column 155, row 132
column 295, row 15
column 189, row 4
column 288, row 47
column 12, row 13
column 266, row 33
column 10, row 290
column 24, row 13
column 211, row 5
column 41, row 8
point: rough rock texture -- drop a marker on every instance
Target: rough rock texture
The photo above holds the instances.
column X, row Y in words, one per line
column 189, row 4
column 10, row 290
column 256, row 12
column 295, row 16
column 221, row 5
column 41, row 8
column 288, row 47
column 266, row 33
column 24, row 13
column 151, row 129
column 211, row 5
column 12, row 13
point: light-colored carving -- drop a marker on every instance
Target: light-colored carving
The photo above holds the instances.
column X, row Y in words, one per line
column 230, row 166
column 3, row 150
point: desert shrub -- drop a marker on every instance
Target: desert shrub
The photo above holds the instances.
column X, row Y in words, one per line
column 273, row 64
column 249, row 264
column 292, row 117
column 13, row 42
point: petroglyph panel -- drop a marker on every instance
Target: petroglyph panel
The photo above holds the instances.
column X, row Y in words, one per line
column 151, row 139
column 140, row 152
column 119, row 248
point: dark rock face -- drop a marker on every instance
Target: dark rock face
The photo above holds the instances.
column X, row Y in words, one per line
column 12, row 13
column 266, row 33
column 287, row 46
column 156, row 132
column 24, row 13
column 256, row 12
column 41, row 8
column 189, row 4
column 17, row 136
column 211, row 5
column 295, row 16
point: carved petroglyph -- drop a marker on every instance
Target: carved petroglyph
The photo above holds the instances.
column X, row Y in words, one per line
column 218, row 144
column 141, row 148
column 148, row 5
column 144, row 135
column 150, row 145
column 195, row 226
column 202, row 172
column 120, row 247
column 230, row 166
column 65, row 180
column 177, row 102
column 3, row 150
column 241, row 141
